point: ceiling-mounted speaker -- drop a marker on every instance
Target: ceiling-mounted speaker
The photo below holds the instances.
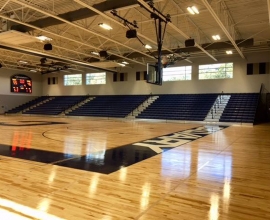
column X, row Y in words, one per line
column 103, row 53
column 43, row 60
column 48, row 46
column 190, row 43
column 131, row 34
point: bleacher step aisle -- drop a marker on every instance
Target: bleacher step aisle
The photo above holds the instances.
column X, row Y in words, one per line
column 142, row 107
column 38, row 104
column 217, row 109
column 78, row 105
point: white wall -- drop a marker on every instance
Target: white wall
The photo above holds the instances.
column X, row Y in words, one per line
column 241, row 83
column 5, row 75
column 9, row 100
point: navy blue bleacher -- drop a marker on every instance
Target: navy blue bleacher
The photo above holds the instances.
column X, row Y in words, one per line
column 191, row 107
column 110, row 106
column 57, row 105
column 241, row 108
column 27, row 105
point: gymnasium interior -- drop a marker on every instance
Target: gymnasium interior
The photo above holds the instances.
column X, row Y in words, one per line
column 138, row 109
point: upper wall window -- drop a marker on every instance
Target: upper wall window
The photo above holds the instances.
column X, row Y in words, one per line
column 95, row 78
column 216, row 71
column 177, row 73
column 73, row 80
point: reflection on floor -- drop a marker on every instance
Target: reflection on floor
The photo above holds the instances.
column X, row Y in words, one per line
column 114, row 159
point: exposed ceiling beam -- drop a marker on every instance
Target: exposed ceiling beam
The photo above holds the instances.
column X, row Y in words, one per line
column 230, row 19
column 50, row 56
column 268, row 6
column 119, row 23
column 222, row 26
column 77, row 14
column 178, row 30
column 69, row 39
column 190, row 20
column 4, row 5
column 82, row 28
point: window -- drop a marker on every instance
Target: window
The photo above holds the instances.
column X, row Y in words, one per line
column 177, row 73
column 216, row 71
column 95, row 78
column 72, row 80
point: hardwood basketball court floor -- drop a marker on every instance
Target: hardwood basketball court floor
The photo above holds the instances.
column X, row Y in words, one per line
column 82, row 168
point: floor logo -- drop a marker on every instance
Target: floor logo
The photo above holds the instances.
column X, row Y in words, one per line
column 178, row 138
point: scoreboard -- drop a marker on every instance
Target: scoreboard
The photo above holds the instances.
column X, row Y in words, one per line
column 21, row 84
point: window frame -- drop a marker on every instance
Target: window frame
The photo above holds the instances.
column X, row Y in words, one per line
column 213, row 70
column 184, row 75
column 103, row 77
column 66, row 79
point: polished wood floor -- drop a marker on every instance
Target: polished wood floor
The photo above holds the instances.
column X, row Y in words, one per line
column 225, row 175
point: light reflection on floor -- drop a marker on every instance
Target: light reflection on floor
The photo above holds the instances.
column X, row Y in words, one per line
column 26, row 211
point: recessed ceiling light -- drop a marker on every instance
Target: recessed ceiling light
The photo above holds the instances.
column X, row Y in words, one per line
column 125, row 62
column 193, row 10
column 216, row 37
column 147, row 46
column 105, row 26
column 121, row 64
column 43, row 38
column 190, row 10
column 229, row 52
column 22, row 61
column 95, row 53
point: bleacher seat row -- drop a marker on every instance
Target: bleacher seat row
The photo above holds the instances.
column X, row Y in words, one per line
column 188, row 107
column 110, row 106
column 27, row 105
column 241, row 108
column 56, row 105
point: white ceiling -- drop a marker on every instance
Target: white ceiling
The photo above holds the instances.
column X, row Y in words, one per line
column 74, row 40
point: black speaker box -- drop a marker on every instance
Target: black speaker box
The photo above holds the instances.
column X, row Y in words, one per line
column 190, row 43
column 131, row 34
column 103, row 53
column 47, row 46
